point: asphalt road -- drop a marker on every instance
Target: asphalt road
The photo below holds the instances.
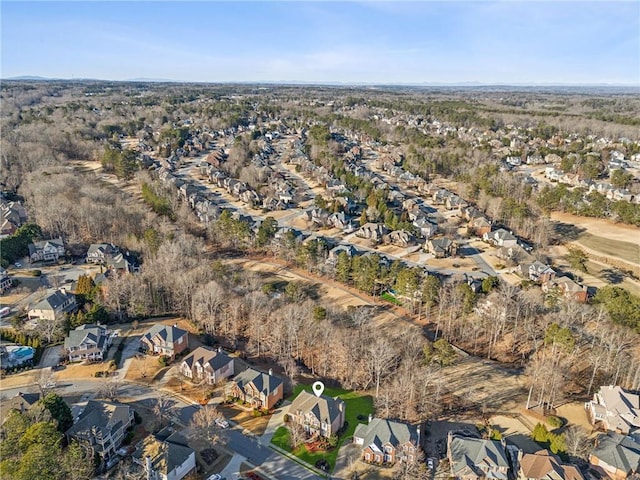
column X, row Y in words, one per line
column 271, row 462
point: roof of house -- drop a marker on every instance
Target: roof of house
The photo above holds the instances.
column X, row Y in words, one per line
column 166, row 453
column 103, row 248
column 440, row 243
column 322, row 407
column 21, row 400
column 502, row 234
column 56, row 242
column 619, row 451
column 206, row 356
column 100, row 417
column 263, row 382
column 544, row 465
column 622, row 408
column 478, row 456
column 380, row 432
column 168, row 333
column 84, row 333
column 53, row 301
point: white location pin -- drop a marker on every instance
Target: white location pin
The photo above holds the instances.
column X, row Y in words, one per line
column 318, row 388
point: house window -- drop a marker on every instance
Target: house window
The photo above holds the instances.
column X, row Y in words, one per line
column 180, row 340
column 367, row 456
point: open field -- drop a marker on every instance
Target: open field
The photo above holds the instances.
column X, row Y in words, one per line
column 627, row 251
column 598, row 226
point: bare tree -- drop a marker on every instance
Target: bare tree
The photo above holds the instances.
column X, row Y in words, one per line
column 162, row 407
column 203, row 425
column 110, row 389
column 577, row 442
column 296, row 434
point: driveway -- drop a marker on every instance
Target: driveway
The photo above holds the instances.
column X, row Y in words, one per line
column 51, row 356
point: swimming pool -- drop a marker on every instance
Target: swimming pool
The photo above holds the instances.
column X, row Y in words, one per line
column 21, row 352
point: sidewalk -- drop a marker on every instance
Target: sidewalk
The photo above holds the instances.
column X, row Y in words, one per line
column 232, row 470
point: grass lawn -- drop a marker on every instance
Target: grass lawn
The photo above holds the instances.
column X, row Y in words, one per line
column 390, row 298
column 355, row 404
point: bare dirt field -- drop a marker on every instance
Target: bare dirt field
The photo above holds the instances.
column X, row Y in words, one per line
column 473, row 383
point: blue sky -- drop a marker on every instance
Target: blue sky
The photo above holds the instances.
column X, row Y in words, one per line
column 507, row 42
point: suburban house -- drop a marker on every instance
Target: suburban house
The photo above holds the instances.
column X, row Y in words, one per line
column 399, row 238
column 21, row 402
column 111, row 256
column 5, row 280
column 334, row 253
column 372, row 231
column 46, row 250
column 617, row 409
column 567, row 288
column 441, row 247
column 537, row 272
column 543, row 465
column 102, row 425
column 500, row 238
column 167, row 340
column 87, row 342
column 387, row 441
column 321, row 415
column 618, row 456
column 212, row 366
column 479, row 226
column 55, row 305
column 425, row 227
column 261, row 390
column 165, row 456
column 475, row 458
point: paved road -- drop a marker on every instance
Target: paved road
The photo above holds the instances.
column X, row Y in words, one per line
column 271, row 462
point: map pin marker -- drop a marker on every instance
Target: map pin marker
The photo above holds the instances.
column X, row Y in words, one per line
column 318, row 388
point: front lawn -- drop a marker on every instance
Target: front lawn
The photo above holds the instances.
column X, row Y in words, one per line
column 356, row 404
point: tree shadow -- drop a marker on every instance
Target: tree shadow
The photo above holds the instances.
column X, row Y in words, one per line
column 563, row 232
column 612, row 275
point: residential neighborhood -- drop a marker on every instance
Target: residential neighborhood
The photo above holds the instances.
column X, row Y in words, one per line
column 460, row 278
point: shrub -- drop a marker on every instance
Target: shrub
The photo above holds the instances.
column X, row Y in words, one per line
column 35, row 273
column 554, row 421
column 163, row 360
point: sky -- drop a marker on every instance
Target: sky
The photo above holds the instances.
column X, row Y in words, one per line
column 454, row 42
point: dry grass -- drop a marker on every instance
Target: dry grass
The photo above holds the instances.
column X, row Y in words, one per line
column 143, row 368
column 20, row 379
column 244, row 418
column 80, row 370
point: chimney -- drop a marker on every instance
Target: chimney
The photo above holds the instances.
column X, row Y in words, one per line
column 370, row 417
column 270, row 371
column 219, row 349
column 418, row 431
column 148, row 467
column 175, row 325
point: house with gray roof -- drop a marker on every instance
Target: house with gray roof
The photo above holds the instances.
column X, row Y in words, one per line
column 102, row 425
column 165, row 456
column 210, row 366
column 167, row 340
column 441, row 247
column 53, row 306
column 387, row 441
column 87, row 342
column 110, row 255
column 46, row 250
column 500, row 238
column 617, row 409
column 318, row 415
column 261, row 390
column 474, row 458
column 617, row 455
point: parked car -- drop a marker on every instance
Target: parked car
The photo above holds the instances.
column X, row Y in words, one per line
column 221, row 422
column 215, row 476
column 18, row 265
column 430, row 464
